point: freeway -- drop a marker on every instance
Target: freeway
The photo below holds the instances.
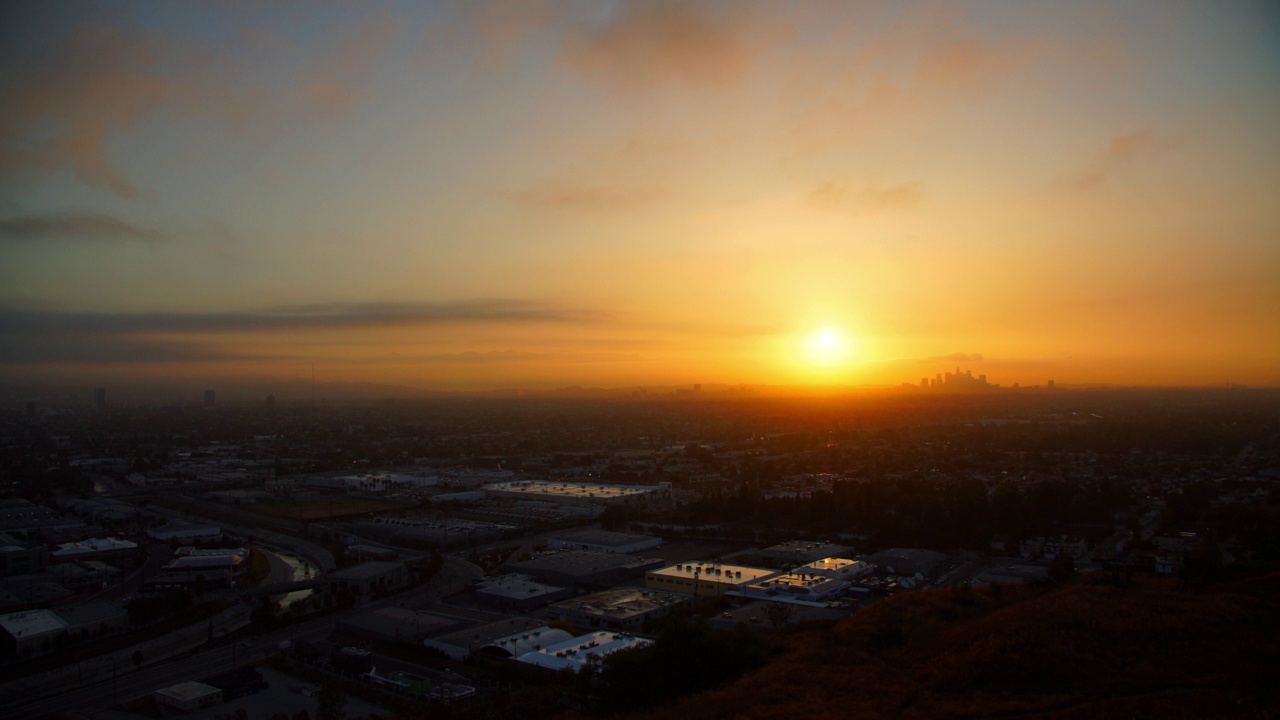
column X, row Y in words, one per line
column 111, row 679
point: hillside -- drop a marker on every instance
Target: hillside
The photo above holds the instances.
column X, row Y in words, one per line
column 1083, row 650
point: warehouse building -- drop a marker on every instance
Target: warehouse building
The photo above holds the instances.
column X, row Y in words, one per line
column 796, row 552
column 625, row 608
column 31, row 632
column 570, row 493
column 517, row 592
column 603, row 541
column 573, row 568
column 908, row 561
column 702, row 579
column 504, row 638
column 369, row 578
column 579, row 652
column 837, row 568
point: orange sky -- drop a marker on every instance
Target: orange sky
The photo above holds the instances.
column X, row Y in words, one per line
column 474, row 196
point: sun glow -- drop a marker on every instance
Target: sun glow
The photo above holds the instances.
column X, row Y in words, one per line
column 829, row 347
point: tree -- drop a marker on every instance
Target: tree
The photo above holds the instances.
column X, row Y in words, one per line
column 778, row 613
column 1063, row 567
column 333, row 703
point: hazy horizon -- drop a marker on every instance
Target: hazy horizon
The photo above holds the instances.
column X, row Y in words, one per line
column 475, row 196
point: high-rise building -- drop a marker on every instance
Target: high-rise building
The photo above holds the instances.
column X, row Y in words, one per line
column 100, row 399
column 208, row 398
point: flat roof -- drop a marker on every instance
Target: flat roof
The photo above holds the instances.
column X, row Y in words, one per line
column 621, row 603
column 715, row 571
column 578, row 562
column 29, row 623
column 478, row 636
column 570, row 489
column 189, row 690
column 574, row 653
column 603, row 537
column 806, row 547
column 366, row 570
column 515, row 586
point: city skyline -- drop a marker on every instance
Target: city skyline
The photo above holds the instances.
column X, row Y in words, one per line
column 483, row 196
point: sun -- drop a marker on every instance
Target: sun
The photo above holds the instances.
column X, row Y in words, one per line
column 829, row 347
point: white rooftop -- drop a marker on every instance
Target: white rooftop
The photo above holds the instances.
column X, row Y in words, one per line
column 575, row 653
column 30, row 623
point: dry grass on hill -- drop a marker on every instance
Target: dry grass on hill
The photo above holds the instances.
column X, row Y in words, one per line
column 1084, row 650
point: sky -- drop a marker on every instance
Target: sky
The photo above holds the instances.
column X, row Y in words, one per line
column 476, row 195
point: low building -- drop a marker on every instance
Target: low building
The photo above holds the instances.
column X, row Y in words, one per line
column 795, row 586
column 1010, row 575
column 31, row 632
column 94, row 619
column 189, row 696
column 515, row 591
column 573, row 568
column 184, row 532
column 94, row 548
column 504, row 638
column 603, row 541
column 908, row 561
column 369, row 578
column 625, row 608
column 571, row 493
column 579, row 652
column 397, row 625
column 838, row 568
column 19, row 560
column 702, row 579
column 796, row 552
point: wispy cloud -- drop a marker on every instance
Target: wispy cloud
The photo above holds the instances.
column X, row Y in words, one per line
column 495, row 311
column 69, row 95
column 955, row 357
column 74, row 226
column 649, row 43
column 569, row 195
column 866, row 197
column 1123, row 149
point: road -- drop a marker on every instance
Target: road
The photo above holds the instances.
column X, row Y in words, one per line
column 110, row 679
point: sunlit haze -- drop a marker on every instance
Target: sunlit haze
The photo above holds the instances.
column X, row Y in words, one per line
column 473, row 196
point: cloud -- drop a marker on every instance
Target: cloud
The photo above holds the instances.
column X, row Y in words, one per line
column 73, row 226
column 1124, row 149
column 871, row 196
column 43, row 336
column 955, row 357
column 569, row 195
column 648, row 43
column 497, row 311
column 73, row 89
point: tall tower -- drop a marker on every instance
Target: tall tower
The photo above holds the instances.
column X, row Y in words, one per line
column 100, row 399
column 208, row 398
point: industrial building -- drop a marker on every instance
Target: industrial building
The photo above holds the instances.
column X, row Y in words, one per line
column 189, row 696
column 369, row 577
column 837, row 568
column 394, row 624
column 795, row 586
column 573, row 568
column 570, row 493
column 907, row 561
column 625, row 608
column 518, row 592
column 603, row 541
column 796, row 552
column 31, row 632
column 702, row 579
column 505, row 638
column 578, row 652
column 184, row 532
